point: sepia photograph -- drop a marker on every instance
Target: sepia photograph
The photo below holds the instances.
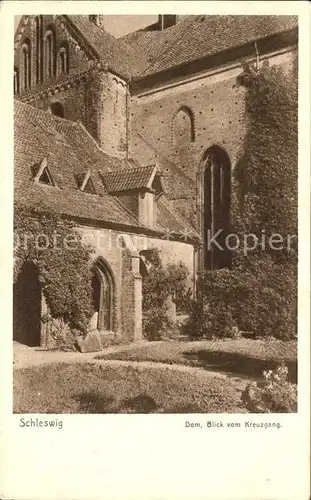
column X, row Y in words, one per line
column 155, row 215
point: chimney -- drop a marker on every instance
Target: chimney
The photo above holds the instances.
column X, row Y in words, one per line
column 166, row 21
column 98, row 20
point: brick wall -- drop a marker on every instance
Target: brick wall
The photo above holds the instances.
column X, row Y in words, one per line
column 217, row 105
column 113, row 120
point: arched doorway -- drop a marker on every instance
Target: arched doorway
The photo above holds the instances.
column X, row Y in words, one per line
column 103, row 290
column 215, row 181
column 57, row 109
column 27, row 306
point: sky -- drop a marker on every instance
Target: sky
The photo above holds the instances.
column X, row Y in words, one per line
column 119, row 25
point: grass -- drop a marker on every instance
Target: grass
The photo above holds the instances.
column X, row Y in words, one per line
column 243, row 357
column 97, row 388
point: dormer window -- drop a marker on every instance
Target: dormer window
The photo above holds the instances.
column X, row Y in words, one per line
column 85, row 183
column 139, row 189
column 42, row 174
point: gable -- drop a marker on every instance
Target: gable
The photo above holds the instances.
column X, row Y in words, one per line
column 46, row 177
column 60, row 46
column 85, row 182
column 42, row 173
column 55, row 50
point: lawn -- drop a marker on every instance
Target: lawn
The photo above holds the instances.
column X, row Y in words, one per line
column 100, row 388
column 241, row 357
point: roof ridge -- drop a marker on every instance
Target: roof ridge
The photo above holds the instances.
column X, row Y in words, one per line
column 132, row 169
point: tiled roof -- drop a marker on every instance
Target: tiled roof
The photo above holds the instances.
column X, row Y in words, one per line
column 70, row 152
column 118, row 55
column 196, row 37
column 168, row 220
column 129, row 179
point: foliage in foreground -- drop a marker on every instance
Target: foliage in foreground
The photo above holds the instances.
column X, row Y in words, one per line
column 274, row 395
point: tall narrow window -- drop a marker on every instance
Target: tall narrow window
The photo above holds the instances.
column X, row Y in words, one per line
column 183, row 127
column 217, row 193
column 16, row 81
column 49, row 54
column 38, row 50
column 26, row 65
column 62, row 61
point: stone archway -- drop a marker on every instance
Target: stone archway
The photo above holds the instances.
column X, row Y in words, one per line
column 103, row 297
column 27, row 302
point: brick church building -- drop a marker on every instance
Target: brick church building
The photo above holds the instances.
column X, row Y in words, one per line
column 135, row 139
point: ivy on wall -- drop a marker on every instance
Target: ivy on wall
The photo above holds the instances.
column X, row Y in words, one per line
column 259, row 295
column 267, row 173
column 62, row 259
column 159, row 282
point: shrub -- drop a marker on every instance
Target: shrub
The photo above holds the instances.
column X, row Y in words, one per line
column 260, row 299
column 274, row 395
column 159, row 283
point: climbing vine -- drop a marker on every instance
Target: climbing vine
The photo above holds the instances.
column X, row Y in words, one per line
column 267, row 174
column 62, row 259
column 259, row 295
column 159, row 282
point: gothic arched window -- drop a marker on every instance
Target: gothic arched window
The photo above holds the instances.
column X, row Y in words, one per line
column 38, row 49
column 183, row 127
column 49, row 53
column 216, row 182
column 26, row 65
column 62, row 61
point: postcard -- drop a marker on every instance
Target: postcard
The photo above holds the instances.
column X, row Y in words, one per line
column 155, row 194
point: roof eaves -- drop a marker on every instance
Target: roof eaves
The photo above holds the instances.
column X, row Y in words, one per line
column 150, row 73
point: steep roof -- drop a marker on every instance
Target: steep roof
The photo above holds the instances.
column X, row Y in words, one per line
column 117, row 54
column 196, row 37
column 144, row 53
column 70, row 152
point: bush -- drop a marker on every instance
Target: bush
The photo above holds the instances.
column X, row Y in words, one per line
column 274, row 395
column 260, row 300
column 159, row 283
